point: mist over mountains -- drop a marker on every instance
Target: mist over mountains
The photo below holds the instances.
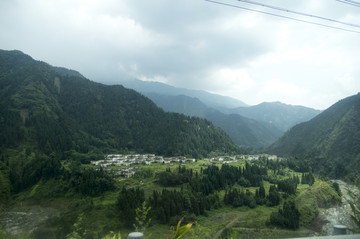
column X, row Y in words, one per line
column 248, row 126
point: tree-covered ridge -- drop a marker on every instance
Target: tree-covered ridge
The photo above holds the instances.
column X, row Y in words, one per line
column 57, row 110
column 243, row 131
column 330, row 142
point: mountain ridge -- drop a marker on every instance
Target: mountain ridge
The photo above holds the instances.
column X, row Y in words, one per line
column 212, row 100
column 330, row 142
column 53, row 111
column 243, row 131
column 281, row 115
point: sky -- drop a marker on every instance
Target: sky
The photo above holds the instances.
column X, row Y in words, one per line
column 197, row 44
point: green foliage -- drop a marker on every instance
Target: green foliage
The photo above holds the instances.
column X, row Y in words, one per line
column 142, row 218
column 287, row 217
column 274, row 196
column 308, row 178
column 329, row 142
column 181, row 230
column 171, row 179
column 112, row 235
column 144, row 173
column 91, row 182
column 238, row 198
column 320, row 195
column 288, row 185
column 336, row 186
column 127, row 203
column 5, row 185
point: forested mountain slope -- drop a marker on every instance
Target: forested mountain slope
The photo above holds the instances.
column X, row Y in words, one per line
column 243, row 131
column 57, row 110
column 330, row 141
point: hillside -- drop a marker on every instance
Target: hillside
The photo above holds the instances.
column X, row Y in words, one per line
column 243, row 131
column 53, row 109
column 280, row 115
column 330, row 141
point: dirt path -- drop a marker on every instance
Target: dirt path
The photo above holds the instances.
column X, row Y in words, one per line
column 230, row 224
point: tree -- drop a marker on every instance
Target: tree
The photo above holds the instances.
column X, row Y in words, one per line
column 288, row 216
column 274, row 196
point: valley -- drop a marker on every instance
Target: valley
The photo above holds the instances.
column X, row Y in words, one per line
column 80, row 159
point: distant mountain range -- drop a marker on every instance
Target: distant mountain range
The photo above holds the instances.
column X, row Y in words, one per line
column 330, row 142
column 56, row 110
column 248, row 126
column 211, row 100
column 243, row 131
column 280, row 115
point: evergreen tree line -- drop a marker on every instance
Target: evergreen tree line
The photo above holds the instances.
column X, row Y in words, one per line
column 287, row 217
column 238, row 198
column 171, row 179
column 38, row 167
column 307, row 178
column 170, row 203
column 213, row 178
column 165, row 204
column 289, row 185
column 127, row 202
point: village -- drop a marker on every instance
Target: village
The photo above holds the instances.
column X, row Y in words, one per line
column 126, row 165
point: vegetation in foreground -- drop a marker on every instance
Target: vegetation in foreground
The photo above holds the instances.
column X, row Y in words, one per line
column 241, row 197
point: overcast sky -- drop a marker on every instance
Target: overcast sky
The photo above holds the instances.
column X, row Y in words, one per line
column 196, row 44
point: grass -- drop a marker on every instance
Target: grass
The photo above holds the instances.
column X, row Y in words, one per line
column 100, row 217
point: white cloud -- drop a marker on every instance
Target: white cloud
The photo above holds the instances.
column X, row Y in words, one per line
column 155, row 78
column 193, row 44
column 277, row 89
column 226, row 80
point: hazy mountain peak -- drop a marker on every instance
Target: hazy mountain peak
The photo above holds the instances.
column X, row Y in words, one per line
column 210, row 99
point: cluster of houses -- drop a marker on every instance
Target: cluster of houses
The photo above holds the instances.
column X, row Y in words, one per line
column 232, row 159
column 112, row 161
column 126, row 165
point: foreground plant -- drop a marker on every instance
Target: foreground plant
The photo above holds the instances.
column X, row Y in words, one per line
column 180, row 231
column 113, row 235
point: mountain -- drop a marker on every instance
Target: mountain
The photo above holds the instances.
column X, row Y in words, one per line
column 243, row 131
column 254, row 126
column 55, row 110
column 281, row 115
column 330, row 141
column 179, row 103
column 211, row 100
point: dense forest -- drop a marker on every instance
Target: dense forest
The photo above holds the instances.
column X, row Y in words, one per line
column 329, row 143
